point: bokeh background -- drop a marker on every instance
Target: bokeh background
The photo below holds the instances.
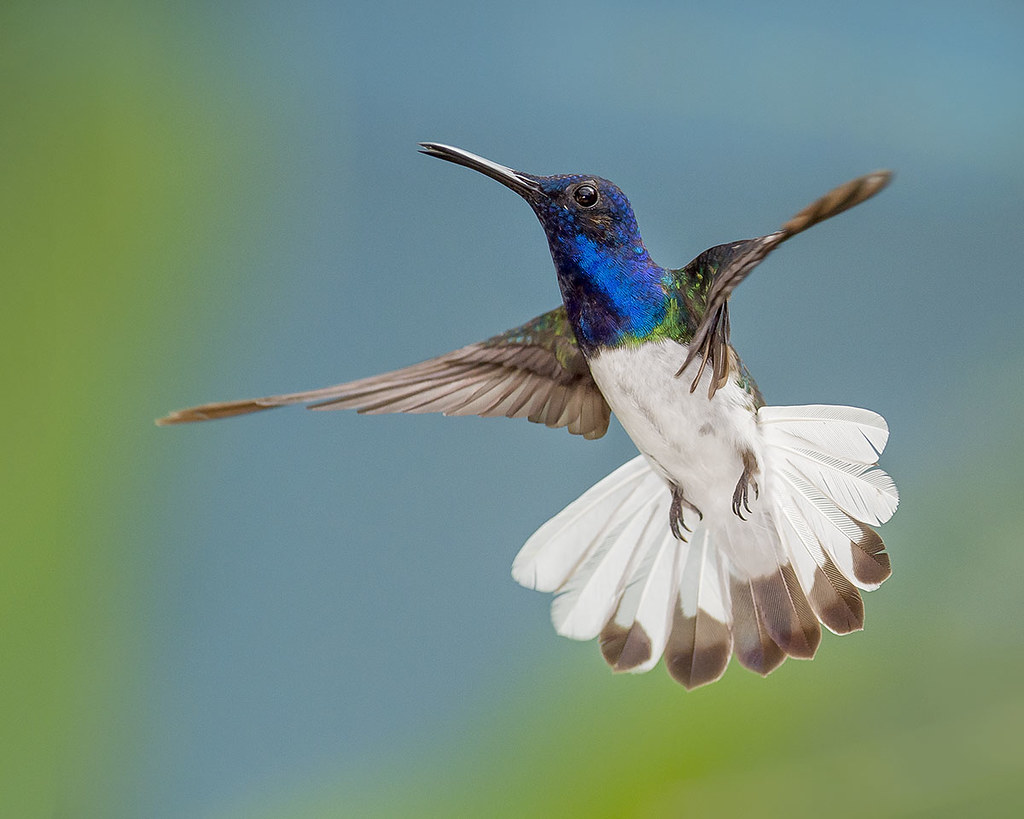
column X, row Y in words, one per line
column 310, row 614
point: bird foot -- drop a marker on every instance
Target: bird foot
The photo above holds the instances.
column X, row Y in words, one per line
column 741, row 495
column 675, row 514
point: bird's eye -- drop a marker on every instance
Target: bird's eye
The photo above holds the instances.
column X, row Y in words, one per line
column 586, row 196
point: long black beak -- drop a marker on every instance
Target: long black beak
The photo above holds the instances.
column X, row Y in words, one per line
column 523, row 184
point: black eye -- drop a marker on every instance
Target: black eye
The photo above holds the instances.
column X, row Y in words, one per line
column 586, row 196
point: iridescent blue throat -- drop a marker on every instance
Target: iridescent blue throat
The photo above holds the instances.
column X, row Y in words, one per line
column 614, row 295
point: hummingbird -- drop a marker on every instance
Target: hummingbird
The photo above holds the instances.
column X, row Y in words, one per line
column 740, row 528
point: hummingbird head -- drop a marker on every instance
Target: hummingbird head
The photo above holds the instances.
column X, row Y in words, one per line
column 577, row 211
column 609, row 284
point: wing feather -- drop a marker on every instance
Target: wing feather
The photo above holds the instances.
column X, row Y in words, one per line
column 536, row 371
column 725, row 266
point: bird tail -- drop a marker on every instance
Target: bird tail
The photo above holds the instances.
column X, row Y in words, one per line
column 757, row 587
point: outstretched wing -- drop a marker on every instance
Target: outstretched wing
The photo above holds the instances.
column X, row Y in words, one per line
column 727, row 265
column 535, row 371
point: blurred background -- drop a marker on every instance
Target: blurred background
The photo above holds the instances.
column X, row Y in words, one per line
column 310, row 614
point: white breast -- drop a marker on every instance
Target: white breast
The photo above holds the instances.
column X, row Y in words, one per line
column 694, row 442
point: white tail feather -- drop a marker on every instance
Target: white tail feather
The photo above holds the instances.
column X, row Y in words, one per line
column 701, row 585
column 864, row 492
column 556, row 549
column 656, row 600
column 646, row 555
column 619, row 572
column 590, row 596
column 837, row 532
column 846, row 433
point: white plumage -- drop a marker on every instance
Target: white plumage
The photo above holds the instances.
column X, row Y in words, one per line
column 756, row 587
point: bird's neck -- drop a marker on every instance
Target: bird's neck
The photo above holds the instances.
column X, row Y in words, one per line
column 618, row 299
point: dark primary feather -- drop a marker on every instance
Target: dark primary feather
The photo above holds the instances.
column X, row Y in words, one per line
column 730, row 264
column 752, row 643
column 535, row 371
column 698, row 648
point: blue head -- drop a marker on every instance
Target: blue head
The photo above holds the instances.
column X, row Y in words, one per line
column 613, row 292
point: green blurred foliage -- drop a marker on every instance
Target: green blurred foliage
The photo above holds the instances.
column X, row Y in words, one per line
column 109, row 162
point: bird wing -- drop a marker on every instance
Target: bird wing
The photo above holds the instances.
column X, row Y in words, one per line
column 728, row 265
column 535, row 371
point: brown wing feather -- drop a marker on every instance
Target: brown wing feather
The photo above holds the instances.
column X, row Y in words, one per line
column 535, row 371
column 735, row 261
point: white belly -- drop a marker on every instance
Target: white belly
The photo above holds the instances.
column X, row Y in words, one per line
column 695, row 443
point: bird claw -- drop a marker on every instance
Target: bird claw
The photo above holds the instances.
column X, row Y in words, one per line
column 676, row 522
column 741, row 495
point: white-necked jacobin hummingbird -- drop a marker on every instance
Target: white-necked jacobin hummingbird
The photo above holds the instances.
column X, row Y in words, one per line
column 740, row 526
